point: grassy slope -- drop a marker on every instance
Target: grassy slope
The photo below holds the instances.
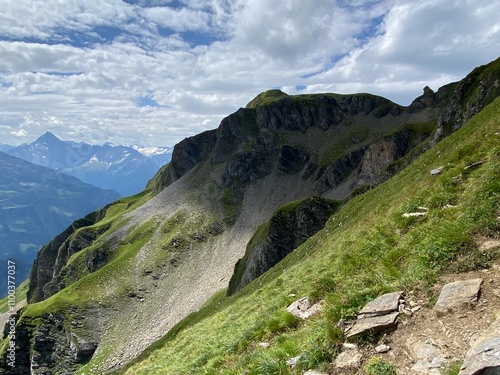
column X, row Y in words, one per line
column 367, row 248
column 21, row 290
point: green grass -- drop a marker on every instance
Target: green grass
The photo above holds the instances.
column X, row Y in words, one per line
column 377, row 366
column 366, row 248
column 21, row 291
column 266, row 98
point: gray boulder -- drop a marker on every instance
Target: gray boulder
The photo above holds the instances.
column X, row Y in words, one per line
column 484, row 355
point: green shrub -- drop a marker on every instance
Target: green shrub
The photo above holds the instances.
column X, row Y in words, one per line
column 377, row 366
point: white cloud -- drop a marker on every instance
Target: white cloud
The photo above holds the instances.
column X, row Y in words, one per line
column 89, row 62
column 178, row 19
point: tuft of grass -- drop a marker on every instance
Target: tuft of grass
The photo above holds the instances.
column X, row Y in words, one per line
column 453, row 368
column 377, row 366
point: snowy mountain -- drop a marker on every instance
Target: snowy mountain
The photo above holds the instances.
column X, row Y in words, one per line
column 160, row 155
column 121, row 168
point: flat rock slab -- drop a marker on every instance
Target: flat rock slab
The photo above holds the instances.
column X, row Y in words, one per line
column 373, row 324
column 484, row 355
column 303, row 309
column 385, row 304
column 349, row 357
column 458, row 293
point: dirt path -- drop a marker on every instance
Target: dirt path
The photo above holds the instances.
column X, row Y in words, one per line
column 427, row 342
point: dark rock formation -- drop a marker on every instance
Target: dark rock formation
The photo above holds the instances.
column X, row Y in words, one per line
column 248, row 141
column 245, row 167
column 478, row 89
column 339, row 170
column 427, row 99
column 185, row 156
column 54, row 256
column 47, row 346
column 288, row 228
column 291, row 160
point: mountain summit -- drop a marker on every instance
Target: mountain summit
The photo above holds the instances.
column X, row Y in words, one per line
column 121, row 168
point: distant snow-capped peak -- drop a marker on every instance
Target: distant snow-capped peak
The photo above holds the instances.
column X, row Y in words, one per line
column 150, row 151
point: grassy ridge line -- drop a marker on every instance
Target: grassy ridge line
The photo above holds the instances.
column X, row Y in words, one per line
column 367, row 248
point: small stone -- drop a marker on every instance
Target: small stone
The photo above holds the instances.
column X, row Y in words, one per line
column 435, row 172
column 349, row 346
column 414, row 214
column 303, row 309
column 384, row 304
column 382, row 348
column 349, row 357
column 458, row 293
column 415, row 309
column 292, row 362
column 313, row 372
column 264, row 345
column 486, row 245
column 373, row 324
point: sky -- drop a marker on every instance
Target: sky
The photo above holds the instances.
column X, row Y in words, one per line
column 152, row 72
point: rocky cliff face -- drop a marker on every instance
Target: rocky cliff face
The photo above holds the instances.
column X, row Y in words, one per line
column 288, row 228
column 469, row 97
column 155, row 261
column 253, row 142
column 55, row 255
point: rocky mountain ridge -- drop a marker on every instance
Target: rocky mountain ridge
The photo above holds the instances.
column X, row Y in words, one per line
column 120, row 168
column 181, row 235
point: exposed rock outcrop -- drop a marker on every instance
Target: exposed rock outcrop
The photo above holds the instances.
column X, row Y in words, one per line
column 289, row 227
column 47, row 345
column 478, row 89
column 185, row 156
column 484, row 354
column 53, row 257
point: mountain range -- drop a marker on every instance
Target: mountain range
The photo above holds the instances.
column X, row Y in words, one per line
column 121, row 168
column 339, row 198
column 36, row 203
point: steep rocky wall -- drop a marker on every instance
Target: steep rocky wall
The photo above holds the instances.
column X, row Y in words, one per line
column 478, row 89
column 54, row 256
column 186, row 155
column 288, row 228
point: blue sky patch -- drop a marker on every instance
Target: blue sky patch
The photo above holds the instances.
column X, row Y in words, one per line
column 146, row 101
